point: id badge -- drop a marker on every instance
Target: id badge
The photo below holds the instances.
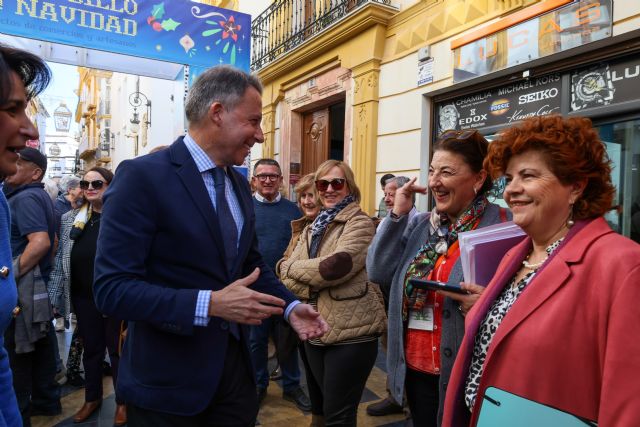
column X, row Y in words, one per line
column 421, row 319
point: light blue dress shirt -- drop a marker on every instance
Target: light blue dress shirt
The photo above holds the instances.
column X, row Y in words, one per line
column 205, row 165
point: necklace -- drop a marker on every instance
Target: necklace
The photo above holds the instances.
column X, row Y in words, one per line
column 94, row 219
column 535, row 266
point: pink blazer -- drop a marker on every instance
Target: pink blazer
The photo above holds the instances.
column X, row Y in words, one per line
column 572, row 339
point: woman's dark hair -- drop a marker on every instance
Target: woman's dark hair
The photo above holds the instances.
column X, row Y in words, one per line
column 106, row 173
column 33, row 71
column 471, row 146
column 573, row 150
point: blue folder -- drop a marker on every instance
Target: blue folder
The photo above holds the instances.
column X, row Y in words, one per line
column 503, row 409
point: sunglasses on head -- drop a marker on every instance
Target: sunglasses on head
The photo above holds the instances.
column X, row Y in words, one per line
column 336, row 183
column 457, row 134
column 96, row 185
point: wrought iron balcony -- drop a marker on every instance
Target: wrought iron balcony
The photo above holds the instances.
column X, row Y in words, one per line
column 288, row 23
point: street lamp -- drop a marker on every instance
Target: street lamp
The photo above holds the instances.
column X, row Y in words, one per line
column 138, row 99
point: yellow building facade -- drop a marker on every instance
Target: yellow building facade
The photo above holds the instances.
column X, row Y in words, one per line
column 92, row 115
column 368, row 60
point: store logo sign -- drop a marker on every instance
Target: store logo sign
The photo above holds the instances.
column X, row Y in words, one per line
column 499, row 107
column 538, row 96
column 564, row 28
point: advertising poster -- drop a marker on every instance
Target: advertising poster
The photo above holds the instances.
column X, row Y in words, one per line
column 605, row 84
column 534, row 97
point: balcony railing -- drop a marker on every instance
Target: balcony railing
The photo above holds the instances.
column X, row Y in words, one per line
column 288, row 23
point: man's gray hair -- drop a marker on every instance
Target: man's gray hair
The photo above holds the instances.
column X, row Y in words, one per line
column 68, row 182
column 224, row 84
column 399, row 180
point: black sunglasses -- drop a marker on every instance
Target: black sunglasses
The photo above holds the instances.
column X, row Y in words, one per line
column 336, row 183
column 96, row 185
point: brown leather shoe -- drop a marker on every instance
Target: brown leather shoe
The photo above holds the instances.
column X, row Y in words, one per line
column 120, row 418
column 87, row 409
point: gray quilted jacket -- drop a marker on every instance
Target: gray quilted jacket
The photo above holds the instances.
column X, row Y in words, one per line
column 392, row 250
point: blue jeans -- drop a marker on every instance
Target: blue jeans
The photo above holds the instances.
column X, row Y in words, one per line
column 258, row 342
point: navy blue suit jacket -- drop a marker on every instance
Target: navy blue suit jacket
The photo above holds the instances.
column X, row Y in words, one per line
column 160, row 244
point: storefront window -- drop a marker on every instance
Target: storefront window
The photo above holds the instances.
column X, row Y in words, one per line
column 623, row 146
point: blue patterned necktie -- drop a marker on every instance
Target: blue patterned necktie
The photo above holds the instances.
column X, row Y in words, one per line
column 229, row 230
column 225, row 219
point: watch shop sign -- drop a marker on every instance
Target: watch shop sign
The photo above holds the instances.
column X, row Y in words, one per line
column 605, row 84
column 576, row 24
column 501, row 106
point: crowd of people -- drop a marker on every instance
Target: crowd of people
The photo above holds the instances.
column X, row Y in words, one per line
column 182, row 271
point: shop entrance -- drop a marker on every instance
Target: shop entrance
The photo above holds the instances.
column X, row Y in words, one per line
column 622, row 140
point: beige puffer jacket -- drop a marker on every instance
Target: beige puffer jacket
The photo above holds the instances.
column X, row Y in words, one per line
column 351, row 305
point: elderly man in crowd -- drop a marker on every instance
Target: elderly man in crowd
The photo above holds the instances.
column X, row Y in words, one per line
column 31, row 343
column 274, row 214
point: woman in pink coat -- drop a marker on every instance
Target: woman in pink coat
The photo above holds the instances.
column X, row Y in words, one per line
column 559, row 323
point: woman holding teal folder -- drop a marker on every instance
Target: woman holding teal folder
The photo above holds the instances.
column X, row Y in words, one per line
column 558, row 324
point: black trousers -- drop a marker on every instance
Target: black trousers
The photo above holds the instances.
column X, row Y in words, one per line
column 234, row 404
column 98, row 333
column 315, row 393
column 341, row 372
column 423, row 396
column 34, row 375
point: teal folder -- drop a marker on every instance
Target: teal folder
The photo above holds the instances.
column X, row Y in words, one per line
column 503, row 409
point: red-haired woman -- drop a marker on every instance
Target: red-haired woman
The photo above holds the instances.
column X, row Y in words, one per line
column 559, row 322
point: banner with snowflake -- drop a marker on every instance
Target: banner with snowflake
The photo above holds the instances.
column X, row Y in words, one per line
column 177, row 31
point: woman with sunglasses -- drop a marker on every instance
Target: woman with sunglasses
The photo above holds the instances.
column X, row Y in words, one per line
column 73, row 277
column 327, row 269
column 425, row 328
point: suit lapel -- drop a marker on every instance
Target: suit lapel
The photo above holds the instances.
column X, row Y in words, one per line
column 549, row 279
column 192, row 180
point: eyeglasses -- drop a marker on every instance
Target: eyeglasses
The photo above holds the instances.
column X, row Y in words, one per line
column 457, row 134
column 96, row 185
column 263, row 177
column 336, row 183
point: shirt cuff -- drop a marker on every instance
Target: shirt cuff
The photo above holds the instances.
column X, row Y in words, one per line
column 288, row 310
column 202, row 309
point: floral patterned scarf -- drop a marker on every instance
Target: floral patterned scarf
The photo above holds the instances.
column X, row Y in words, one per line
column 322, row 220
column 440, row 231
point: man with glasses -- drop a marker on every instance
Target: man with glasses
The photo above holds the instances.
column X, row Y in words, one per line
column 32, row 239
column 274, row 214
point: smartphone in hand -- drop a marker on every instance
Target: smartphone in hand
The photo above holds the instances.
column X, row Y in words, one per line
column 433, row 285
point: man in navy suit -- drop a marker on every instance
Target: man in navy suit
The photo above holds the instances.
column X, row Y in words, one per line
column 178, row 257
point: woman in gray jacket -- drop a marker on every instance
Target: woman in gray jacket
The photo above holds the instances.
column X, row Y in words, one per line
column 425, row 328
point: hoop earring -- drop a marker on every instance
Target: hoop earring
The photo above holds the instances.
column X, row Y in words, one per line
column 570, row 221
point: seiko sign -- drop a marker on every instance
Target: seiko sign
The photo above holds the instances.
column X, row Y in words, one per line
column 538, row 96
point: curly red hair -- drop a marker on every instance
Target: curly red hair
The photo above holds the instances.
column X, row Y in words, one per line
column 573, row 151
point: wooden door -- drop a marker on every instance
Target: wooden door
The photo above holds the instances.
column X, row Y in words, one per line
column 315, row 140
